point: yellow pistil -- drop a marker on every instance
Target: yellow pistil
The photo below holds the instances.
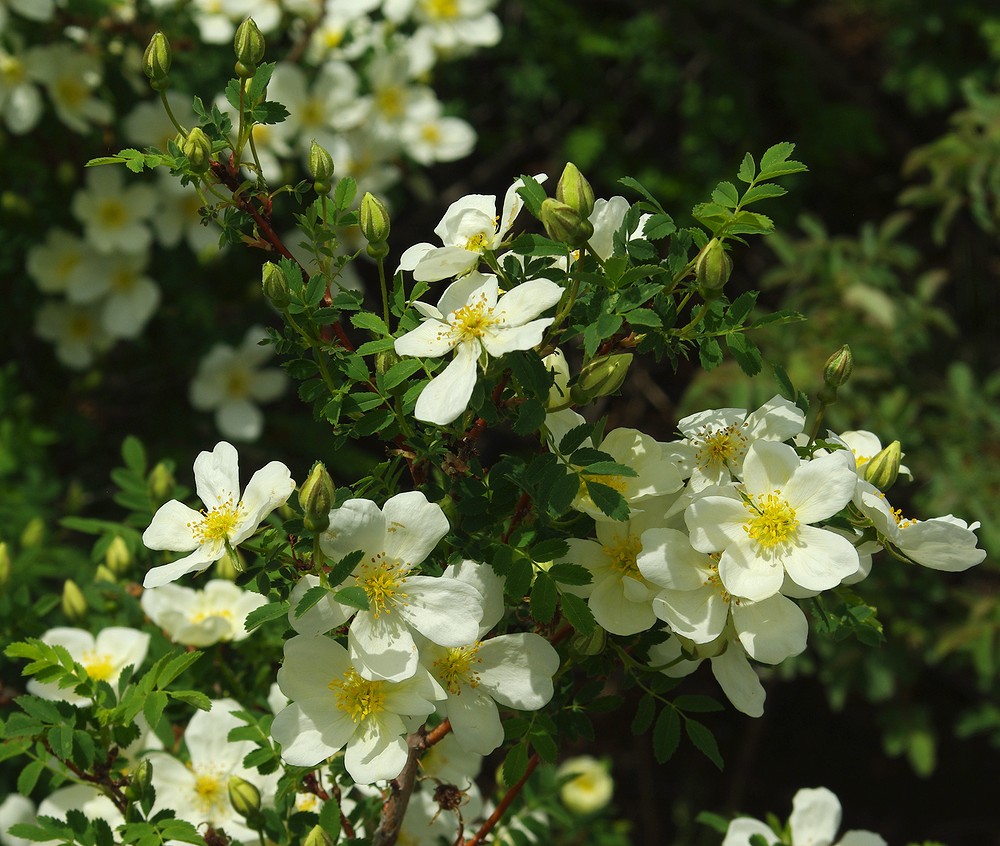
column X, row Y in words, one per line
column 473, row 319
column 623, row 554
column 71, row 92
column 478, row 242
column 382, row 581
column 430, row 133
column 440, row 9
column 66, row 264
column 357, row 697
column 455, row 668
column 123, row 280
column 12, row 71
column 312, row 113
column 773, row 520
column 720, row 447
column 99, row 665
column 211, row 795
column 390, row 101
column 207, row 614
column 618, row 483
column 238, row 384
column 901, row 521
column 217, row 524
column 112, row 214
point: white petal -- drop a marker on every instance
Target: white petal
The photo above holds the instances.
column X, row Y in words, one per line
column 699, row 615
column 193, row 563
column 668, row 560
column 412, row 255
column 170, row 528
column 861, row 838
column 748, row 574
column 941, row 544
column 504, row 339
column 480, row 287
column 217, row 475
column 443, row 262
column 413, row 527
column 818, row 559
column 820, row 488
column 431, row 339
column 445, row 611
column 526, row 301
column 815, row 817
column 742, row 829
column 447, row 395
column 739, row 681
column 377, row 751
column 357, row 524
column 778, row 419
column 324, row 616
column 475, row 720
column 517, row 670
column 303, row 743
column 715, row 522
column 768, row 466
column 615, row 612
column 382, row 647
column 310, row 664
column 240, row 420
column 771, row 630
column 269, row 488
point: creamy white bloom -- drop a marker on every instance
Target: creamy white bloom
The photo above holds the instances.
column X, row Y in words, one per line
column 395, row 539
column 149, row 125
column 76, row 330
column 333, row 706
column 590, row 787
column 471, row 320
column 114, row 215
column 429, row 136
column 469, row 228
column 716, row 441
column 451, row 25
column 215, row 613
column 865, row 445
column 815, row 818
column 228, row 519
column 452, row 763
column 230, row 382
column 763, row 527
column 70, row 77
column 20, row 100
column 103, row 656
column 15, row 809
column 84, row 798
column 56, row 263
column 180, row 217
column 125, row 296
column 198, row 791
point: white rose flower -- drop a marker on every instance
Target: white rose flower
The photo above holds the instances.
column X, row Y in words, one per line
column 216, row 613
column 590, row 787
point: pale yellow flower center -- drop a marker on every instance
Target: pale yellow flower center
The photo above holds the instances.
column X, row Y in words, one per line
column 99, row 665
column 218, row 524
column 473, row 319
column 720, row 447
column 66, row 264
column 382, row 582
column 357, row 697
column 772, row 519
column 333, row 36
column 440, row 9
column 237, row 384
column 71, row 92
column 11, row 71
column 123, row 280
column 80, row 327
column 312, row 113
column 112, row 214
column 208, row 613
column 455, row 668
column 211, row 794
column 431, row 133
column 622, row 554
column 390, row 101
column 713, row 581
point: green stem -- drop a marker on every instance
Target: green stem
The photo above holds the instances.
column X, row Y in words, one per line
column 170, row 113
column 385, row 291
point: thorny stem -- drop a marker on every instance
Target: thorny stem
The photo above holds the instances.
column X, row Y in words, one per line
column 504, row 804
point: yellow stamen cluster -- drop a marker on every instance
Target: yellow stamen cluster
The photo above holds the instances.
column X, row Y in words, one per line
column 773, row 520
column 473, row 319
column 123, row 280
column 715, row 582
column 720, row 447
column 455, row 668
column 206, row 614
column 440, row 9
column 218, row 524
column 623, row 555
column 211, row 793
column 71, row 92
column 382, row 581
column 99, row 665
column 357, row 697
column 112, row 213
column 390, row 101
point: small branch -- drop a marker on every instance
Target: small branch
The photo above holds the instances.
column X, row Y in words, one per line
column 400, row 789
column 438, row 734
column 504, row 804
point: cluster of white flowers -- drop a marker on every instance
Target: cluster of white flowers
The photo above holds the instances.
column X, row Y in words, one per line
column 360, row 88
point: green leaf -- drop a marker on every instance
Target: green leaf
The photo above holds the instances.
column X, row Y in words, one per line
column 748, row 170
column 578, row 614
column 644, row 714
column 608, row 500
column 530, row 373
column 637, row 186
column 400, row 372
column 563, row 491
column 574, row 438
column 261, row 615
column 543, row 598
column 269, row 112
column 519, row 577
column 258, row 82
column 741, row 307
column 329, row 818
column 544, row 744
column 570, row 574
column 316, row 289
column 666, row 735
column 310, row 598
column 153, row 707
column 515, row 764
column 343, row 568
column 694, row 703
column 532, row 193
column 762, row 192
column 785, row 387
column 610, row 468
column 28, row 778
column 371, row 322
column 177, row 665
column 709, row 353
column 530, row 417
column 725, row 194
column 644, row 317
column 745, row 352
column 372, row 347
column 192, row 697
column 701, row 737
column 775, row 162
column 343, row 194
column 716, row 821
column 549, row 550
column 134, row 455
column 659, row 226
column 354, row 596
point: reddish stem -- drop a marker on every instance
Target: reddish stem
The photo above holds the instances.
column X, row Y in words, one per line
column 504, row 804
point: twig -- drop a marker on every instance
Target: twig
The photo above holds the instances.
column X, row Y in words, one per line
column 504, row 804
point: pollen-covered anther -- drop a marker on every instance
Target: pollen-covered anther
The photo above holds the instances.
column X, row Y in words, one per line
column 217, row 524
column 773, row 520
column 382, row 581
column 455, row 668
column 623, row 555
column 357, row 697
column 725, row 446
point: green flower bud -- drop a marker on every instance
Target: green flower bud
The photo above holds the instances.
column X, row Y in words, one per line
column 73, row 602
column 712, row 269
column 104, row 574
column 245, row 798
column 248, row 44
column 321, row 168
column 156, row 61
column 584, row 646
column 564, row 223
column 600, row 377
column 117, row 556
column 230, row 565
column 198, row 149
column 838, row 367
column 574, row 190
column 316, row 498
column 374, row 219
column 317, row 836
column 4, row 565
column 385, row 359
column 883, row 469
column 139, row 780
column 161, row 482
column 34, row 533
column 275, row 285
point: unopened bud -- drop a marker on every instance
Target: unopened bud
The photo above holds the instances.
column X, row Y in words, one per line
column 565, row 224
column 248, row 44
column 33, row 533
column 574, row 190
column 156, row 61
column 838, row 367
column 244, row 797
column 316, row 498
column 585, row 645
column 198, row 149
column 161, row 482
column 320, row 168
column 385, row 359
column 601, row 377
column 883, row 469
column 73, row 602
column 559, row 392
column 317, row 836
column 275, row 285
column 374, row 219
column 230, row 565
column 117, row 556
column 712, row 269
column 139, row 780
column 4, row 565
column 104, row 574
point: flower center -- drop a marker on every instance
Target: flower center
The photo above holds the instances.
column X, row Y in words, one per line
column 123, row 280
column 478, row 242
column 453, row 670
column 382, row 581
column 11, row 70
column 622, row 555
column 390, row 101
column 203, row 614
column 99, row 665
column 472, row 320
column 237, row 384
column 312, row 113
column 81, row 327
column 111, row 214
column 430, row 133
column 210, row 795
column 719, row 447
column 66, row 264
column 70, row 92
column 773, row 520
column 218, row 524
column 441, row 9
column 357, row 697
column 714, row 582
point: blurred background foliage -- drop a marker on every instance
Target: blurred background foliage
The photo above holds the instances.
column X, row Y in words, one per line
column 889, row 243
